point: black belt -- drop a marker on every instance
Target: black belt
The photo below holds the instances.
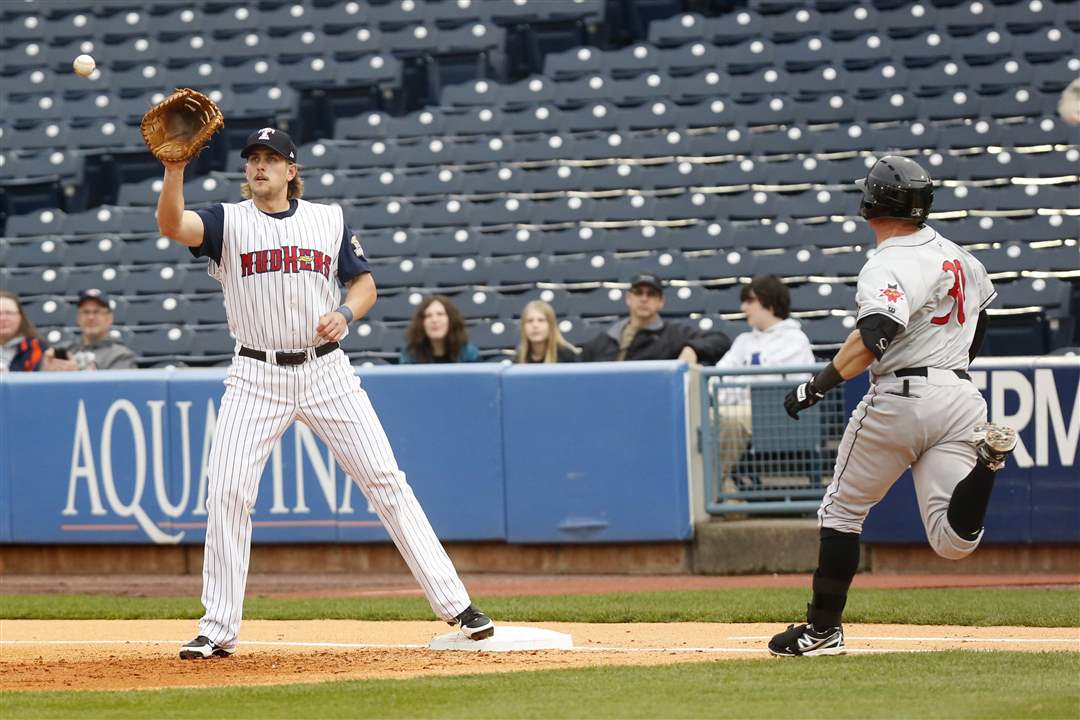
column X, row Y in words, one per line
column 923, row 372
column 288, row 358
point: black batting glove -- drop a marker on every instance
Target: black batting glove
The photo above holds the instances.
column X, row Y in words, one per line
column 801, row 397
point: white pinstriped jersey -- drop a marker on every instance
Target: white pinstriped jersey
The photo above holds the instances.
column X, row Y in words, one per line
column 279, row 271
column 935, row 290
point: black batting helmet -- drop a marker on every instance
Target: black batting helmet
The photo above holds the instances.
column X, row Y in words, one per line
column 896, row 187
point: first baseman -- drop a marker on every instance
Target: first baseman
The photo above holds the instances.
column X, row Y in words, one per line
column 922, row 315
column 279, row 259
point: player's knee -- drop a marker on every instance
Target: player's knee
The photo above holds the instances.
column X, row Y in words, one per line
column 951, row 546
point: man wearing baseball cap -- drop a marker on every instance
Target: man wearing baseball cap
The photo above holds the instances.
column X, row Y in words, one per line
column 644, row 335
column 96, row 349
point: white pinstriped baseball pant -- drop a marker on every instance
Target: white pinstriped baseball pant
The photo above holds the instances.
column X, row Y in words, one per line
column 261, row 401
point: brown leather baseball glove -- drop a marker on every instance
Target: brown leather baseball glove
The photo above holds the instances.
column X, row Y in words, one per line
column 179, row 126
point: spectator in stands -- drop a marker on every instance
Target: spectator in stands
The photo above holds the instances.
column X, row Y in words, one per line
column 541, row 341
column 21, row 349
column 1069, row 103
column 436, row 334
column 645, row 336
column 774, row 340
column 96, row 349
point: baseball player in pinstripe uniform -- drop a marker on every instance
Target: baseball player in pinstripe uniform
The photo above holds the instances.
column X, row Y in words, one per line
column 922, row 314
column 279, row 259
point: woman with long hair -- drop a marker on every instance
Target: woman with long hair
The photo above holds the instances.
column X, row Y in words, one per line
column 541, row 341
column 21, row 348
column 436, row 334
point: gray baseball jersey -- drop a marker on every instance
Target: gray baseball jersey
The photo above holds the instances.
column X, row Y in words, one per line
column 935, row 290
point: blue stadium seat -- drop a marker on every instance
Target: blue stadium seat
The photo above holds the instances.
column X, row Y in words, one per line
column 475, row 304
column 678, row 29
column 582, row 267
column 570, row 240
column 830, row 330
column 682, row 301
column 836, row 235
column 512, row 241
column 46, row 252
column 1045, row 44
column 499, row 334
column 213, row 340
column 367, row 335
column 822, row 296
column 518, row 269
column 50, row 311
column 205, row 308
column 821, row 80
column 725, row 263
column 597, row 302
column 480, row 92
column 111, row 279
column 155, row 309
column 396, row 305
column 35, row 280
column 852, row 20
column 665, row 264
column 353, row 42
column 978, row 134
column 728, row 30
column 169, row 340
column 828, row 107
column 805, row 53
column 399, row 272
column 1045, row 293
column 39, row 222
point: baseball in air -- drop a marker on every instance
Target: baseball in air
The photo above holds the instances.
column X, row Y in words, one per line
column 84, row 65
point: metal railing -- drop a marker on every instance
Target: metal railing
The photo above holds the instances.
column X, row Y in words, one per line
column 756, row 459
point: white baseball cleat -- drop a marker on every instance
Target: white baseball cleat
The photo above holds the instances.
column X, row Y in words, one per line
column 993, row 443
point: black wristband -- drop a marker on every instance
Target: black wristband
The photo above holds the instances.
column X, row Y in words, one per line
column 344, row 310
column 827, row 379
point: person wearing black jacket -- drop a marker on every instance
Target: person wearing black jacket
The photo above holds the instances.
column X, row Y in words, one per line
column 645, row 336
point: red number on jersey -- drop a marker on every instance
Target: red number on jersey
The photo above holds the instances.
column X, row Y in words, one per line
column 956, row 293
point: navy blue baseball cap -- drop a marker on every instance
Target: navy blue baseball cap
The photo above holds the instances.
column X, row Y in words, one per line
column 98, row 296
column 277, row 140
column 647, row 279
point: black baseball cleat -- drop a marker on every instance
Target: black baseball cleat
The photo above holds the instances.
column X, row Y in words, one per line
column 993, row 443
column 203, row 647
column 475, row 625
column 808, row 641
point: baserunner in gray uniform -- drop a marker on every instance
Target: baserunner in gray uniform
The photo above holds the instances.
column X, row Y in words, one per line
column 922, row 302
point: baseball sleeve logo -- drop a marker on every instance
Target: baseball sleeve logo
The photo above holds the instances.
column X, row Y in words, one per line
column 892, row 293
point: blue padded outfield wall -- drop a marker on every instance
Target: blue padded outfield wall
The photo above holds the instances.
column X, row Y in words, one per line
column 537, row 454
column 1037, row 496
column 567, row 454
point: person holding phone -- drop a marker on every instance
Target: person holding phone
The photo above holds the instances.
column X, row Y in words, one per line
column 96, row 349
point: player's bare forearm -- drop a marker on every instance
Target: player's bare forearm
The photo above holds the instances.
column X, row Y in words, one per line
column 853, row 356
column 183, row 226
column 361, row 295
column 170, row 205
column 359, row 298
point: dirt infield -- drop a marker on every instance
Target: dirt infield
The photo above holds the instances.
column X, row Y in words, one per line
column 40, row 655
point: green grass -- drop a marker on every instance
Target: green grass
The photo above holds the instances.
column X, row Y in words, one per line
column 955, row 684
column 983, row 606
